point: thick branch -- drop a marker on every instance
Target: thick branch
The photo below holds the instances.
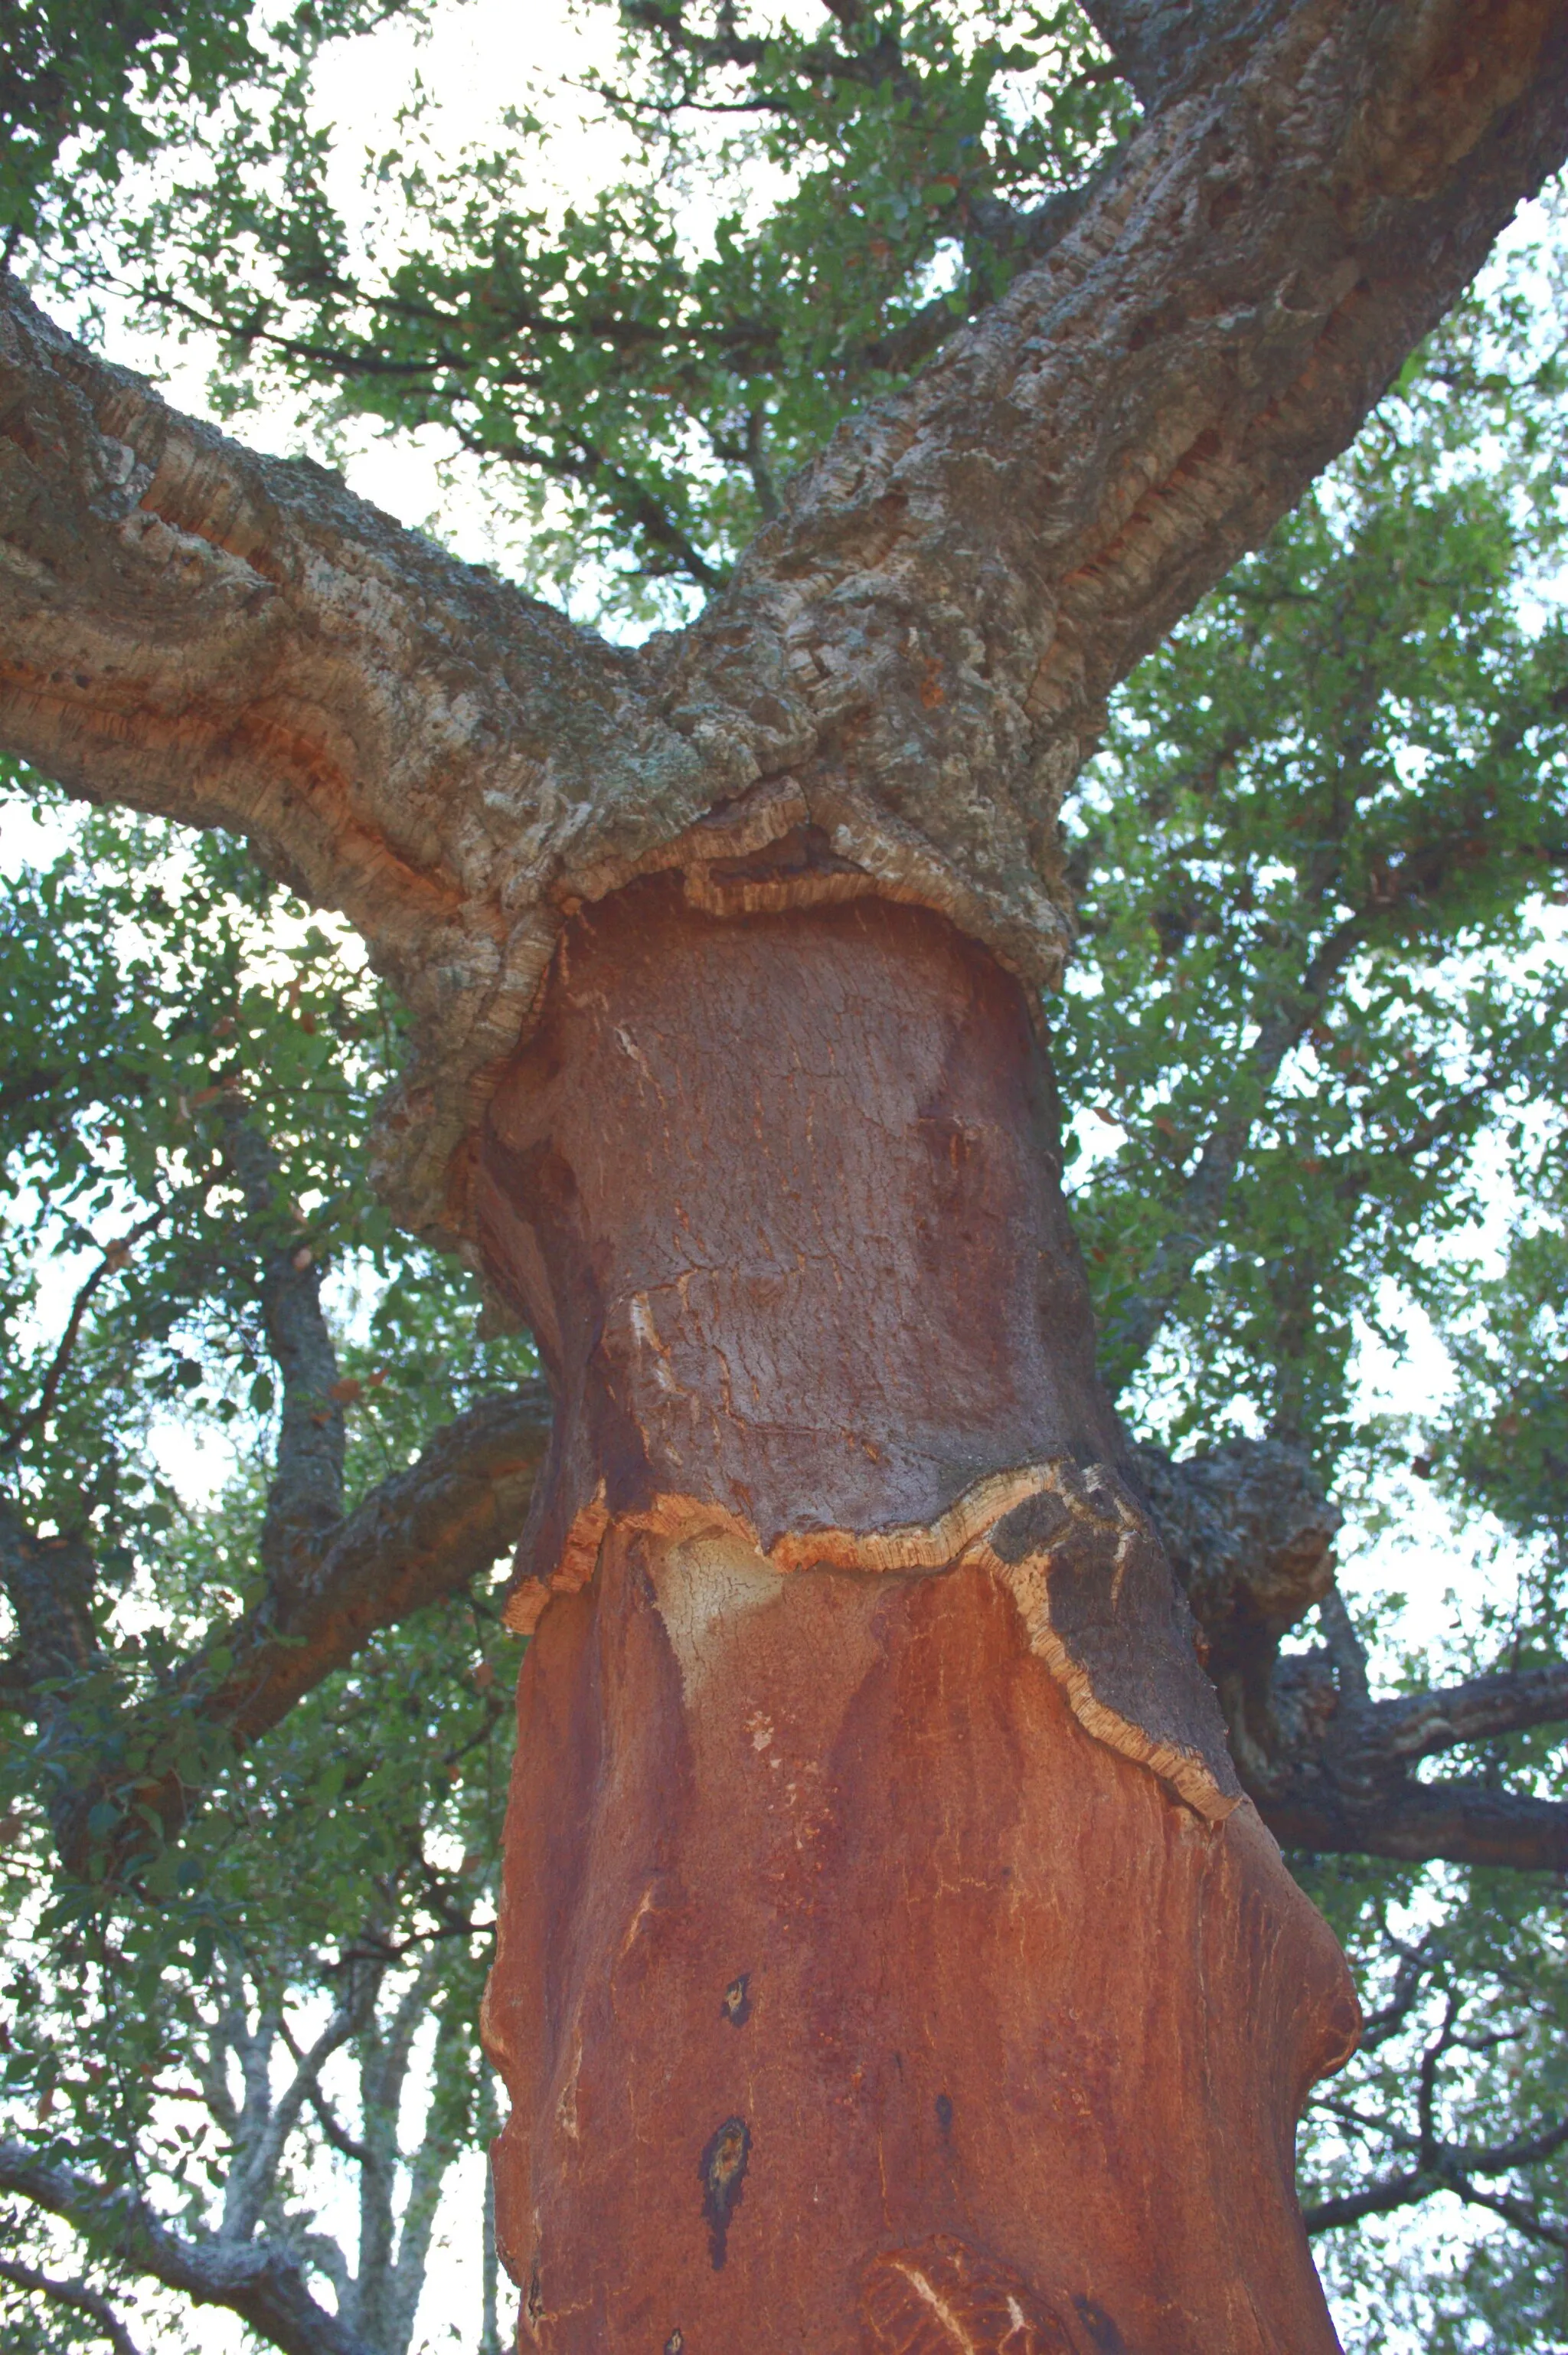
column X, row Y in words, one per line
column 266, row 2289
column 926, row 637
column 1449, row 2173
column 1333, row 1772
column 1250, row 1535
column 1462, row 1822
column 1425, row 1723
column 968, row 569
column 420, row 1536
column 1162, row 46
column 235, row 641
column 423, row 1535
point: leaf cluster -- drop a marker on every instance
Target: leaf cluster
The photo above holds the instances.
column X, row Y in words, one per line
column 87, row 95
column 802, row 212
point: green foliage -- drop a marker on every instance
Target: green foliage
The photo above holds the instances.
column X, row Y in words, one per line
column 1315, row 1039
column 1317, row 859
column 149, row 985
column 152, row 988
column 87, row 94
column 1316, row 1043
column 637, row 373
column 350, row 1862
column 1461, row 2082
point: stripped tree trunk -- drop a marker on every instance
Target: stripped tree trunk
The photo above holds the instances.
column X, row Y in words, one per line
column 888, row 1961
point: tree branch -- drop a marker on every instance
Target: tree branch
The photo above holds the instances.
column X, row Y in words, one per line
column 1202, row 1201
column 1284, row 1012
column 50, row 1584
column 926, row 637
column 1250, row 1536
column 113, row 1257
column 1249, row 1533
column 1162, row 46
column 253, row 2171
column 1334, row 1773
column 80, row 2294
column 1425, row 1723
column 1409, row 2190
column 1463, row 1822
column 969, row 567
column 881, row 61
column 420, row 1536
column 265, row 2289
column 231, row 640
column 624, row 495
column 305, row 1499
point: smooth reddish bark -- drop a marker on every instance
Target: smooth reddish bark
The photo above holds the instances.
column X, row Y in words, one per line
column 888, row 1961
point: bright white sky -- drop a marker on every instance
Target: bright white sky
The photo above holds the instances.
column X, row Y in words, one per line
column 480, row 59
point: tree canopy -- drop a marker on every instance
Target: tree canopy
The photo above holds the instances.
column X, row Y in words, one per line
column 260, row 1455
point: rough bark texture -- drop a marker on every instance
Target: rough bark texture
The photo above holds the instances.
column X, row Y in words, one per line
column 1250, row 1536
column 1245, row 1526
column 888, row 1959
column 910, row 663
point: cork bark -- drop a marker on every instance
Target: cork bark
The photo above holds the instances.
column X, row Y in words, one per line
column 911, row 661
column 888, row 1958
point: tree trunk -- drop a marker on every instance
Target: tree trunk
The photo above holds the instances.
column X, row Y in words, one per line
column 887, row 1960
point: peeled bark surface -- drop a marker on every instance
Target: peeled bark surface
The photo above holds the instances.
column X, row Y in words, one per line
column 888, row 1960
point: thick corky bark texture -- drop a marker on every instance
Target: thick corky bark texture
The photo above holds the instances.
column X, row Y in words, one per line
column 914, row 659
column 1250, row 1536
column 888, row 1958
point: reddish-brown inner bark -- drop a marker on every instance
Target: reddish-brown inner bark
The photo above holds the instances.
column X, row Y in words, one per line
column 888, row 1961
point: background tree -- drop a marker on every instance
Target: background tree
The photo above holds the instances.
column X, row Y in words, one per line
column 1311, row 865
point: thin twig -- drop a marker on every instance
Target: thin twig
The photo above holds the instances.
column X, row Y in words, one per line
column 113, row 1259
column 78, row 2293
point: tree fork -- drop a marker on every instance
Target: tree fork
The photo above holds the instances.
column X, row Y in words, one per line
column 831, row 1481
column 888, row 1959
